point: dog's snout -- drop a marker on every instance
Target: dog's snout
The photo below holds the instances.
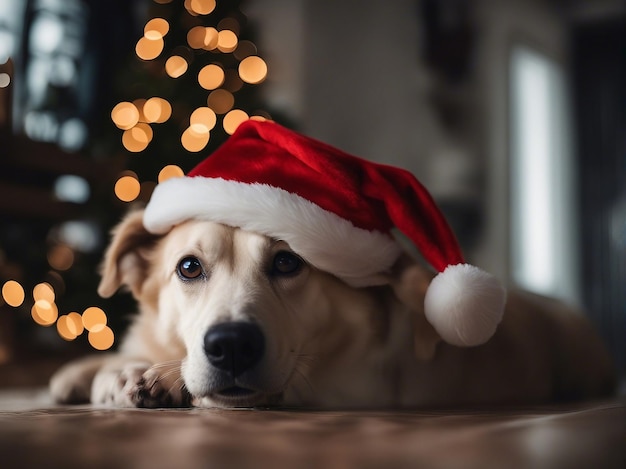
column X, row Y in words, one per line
column 234, row 347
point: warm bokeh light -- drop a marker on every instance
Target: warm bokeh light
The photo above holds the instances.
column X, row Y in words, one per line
column 148, row 49
column 253, row 69
column 232, row 82
column 137, row 138
column 202, row 7
column 13, row 293
column 202, row 120
column 75, row 323
column 94, row 319
column 101, row 339
column 156, row 28
column 127, row 188
column 221, row 101
column 211, row 77
column 170, row 171
column 65, row 328
column 44, row 291
column 193, row 141
column 44, row 312
column 229, row 23
column 157, row 110
column 233, row 119
column 138, row 103
column 226, row 40
column 176, row 66
column 245, row 49
column 61, row 257
column 125, row 115
column 200, row 37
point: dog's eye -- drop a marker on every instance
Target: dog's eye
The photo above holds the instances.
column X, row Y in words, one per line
column 189, row 268
column 286, row 263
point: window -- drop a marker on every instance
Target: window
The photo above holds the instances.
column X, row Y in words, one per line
column 543, row 237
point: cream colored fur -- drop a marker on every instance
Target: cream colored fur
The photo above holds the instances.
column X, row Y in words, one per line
column 328, row 344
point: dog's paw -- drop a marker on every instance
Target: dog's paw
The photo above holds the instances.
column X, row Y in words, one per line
column 139, row 384
column 161, row 386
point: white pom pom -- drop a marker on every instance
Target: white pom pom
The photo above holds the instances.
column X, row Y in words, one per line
column 464, row 304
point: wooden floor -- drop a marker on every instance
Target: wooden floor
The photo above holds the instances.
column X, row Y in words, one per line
column 36, row 434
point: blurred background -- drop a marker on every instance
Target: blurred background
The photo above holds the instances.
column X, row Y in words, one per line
column 511, row 112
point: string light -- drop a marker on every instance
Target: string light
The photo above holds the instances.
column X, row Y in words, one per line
column 61, row 257
column 156, row 29
column 170, row 171
column 149, row 49
column 156, row 110
column 125, row 115
column 127, row 188
column 101, row 339
column 202, row 120
column 226, row 41
column 253, row 69
column 193, row 141
column 221, row 101
column 233, row 119
column 13, row 293
column 211, row 77
column 176, row 66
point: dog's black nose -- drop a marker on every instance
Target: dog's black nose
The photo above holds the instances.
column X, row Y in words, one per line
column 234, row 347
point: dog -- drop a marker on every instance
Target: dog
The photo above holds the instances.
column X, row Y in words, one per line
column 232, row 318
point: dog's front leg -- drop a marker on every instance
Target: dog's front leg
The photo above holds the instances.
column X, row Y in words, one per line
column 138, row 383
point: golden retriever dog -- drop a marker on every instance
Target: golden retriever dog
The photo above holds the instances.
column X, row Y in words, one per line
column 232, row 318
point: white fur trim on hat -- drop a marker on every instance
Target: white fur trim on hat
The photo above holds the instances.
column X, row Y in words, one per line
column 325, row 240
column 464, row 304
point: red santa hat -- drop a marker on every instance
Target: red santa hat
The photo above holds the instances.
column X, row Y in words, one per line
column 337, row 212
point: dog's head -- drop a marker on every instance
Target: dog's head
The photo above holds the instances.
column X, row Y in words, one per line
column 255, row 321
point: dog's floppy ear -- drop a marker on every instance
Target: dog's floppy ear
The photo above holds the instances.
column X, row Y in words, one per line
column 125, row 261
column 410, row 282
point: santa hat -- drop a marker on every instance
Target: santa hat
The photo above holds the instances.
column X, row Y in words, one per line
column 336, row 211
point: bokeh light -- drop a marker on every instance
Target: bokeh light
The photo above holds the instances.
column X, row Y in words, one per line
column 44, row 312
column 253, row 69
column 202, row 120
column 61, row 257
column 157, row 110
column 193, row 141
column 245, row 49
column 65, row 328
column 156, row 28
column 170, row 171
column 101, row 339
column 201, row 7
column 43, row 291
column 176, row 66
column 125, row 115
column 226, row 41
column 200, row 37
column 127, row 188
column 233, row 119
column 148, row 49
column 137, row 138
column 211, row 77
column 94, row 319
column 229, row 23
column 13, row 293
column 221, row 101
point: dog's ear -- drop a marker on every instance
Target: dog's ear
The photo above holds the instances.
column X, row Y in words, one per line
column 410, row 282
column 125, row 261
